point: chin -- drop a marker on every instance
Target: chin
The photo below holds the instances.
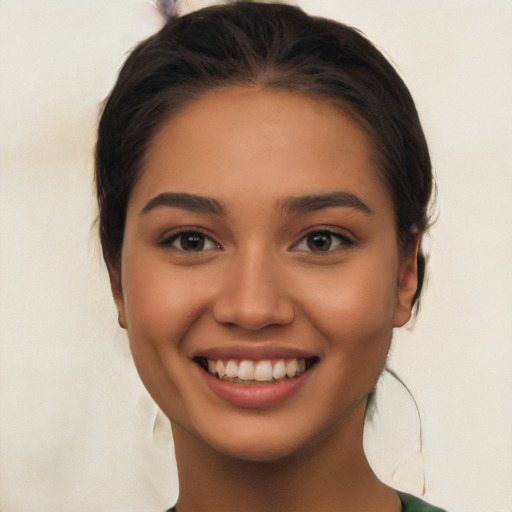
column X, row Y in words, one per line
column 262, row 439
column 259, row 451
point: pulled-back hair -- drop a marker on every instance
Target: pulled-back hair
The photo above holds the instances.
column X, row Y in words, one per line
column 268, row 46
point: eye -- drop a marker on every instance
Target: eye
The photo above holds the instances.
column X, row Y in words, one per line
column 190, row 241
column 322, row 241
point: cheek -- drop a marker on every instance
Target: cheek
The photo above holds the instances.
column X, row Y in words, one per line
column 160, row 300
column 354, row 307
column 161, row 305
column 354, row 315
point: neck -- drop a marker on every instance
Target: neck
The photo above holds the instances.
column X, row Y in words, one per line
column 332, row 476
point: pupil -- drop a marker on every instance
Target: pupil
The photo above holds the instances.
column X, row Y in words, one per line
column 319, row 242
column 192, row 242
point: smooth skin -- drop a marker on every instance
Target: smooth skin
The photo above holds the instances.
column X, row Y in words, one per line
column 290, row 242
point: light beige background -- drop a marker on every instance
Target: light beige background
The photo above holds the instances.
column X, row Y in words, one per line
column 78, row 432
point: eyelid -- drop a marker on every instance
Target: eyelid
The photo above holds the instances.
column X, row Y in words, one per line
column 169, row 238
column 346, row 240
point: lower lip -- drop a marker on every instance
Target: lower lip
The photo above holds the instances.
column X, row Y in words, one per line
column 254, row 396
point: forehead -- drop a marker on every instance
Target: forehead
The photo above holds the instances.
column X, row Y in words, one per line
column 247, row 142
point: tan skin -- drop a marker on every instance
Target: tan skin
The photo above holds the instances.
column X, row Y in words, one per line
column 265, row 271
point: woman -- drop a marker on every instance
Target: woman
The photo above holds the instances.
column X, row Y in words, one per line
column 263, row 183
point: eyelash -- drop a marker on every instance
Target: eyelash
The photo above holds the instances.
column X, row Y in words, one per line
column 342, row 241
column 207, row 243
column 175, row 238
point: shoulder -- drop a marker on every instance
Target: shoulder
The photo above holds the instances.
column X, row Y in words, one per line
column 413, row 504
column 409, row 504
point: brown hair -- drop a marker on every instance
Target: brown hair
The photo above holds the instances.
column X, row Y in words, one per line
column 267, row 45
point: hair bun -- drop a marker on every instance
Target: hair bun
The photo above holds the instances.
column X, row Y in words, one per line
column 166, row 8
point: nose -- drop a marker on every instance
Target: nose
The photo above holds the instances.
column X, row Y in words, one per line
column 253, row 294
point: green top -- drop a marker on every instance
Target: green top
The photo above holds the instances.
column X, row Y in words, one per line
column 409, row 504
column 413, row 504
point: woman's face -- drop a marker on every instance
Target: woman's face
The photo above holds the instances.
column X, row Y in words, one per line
column 260, row 243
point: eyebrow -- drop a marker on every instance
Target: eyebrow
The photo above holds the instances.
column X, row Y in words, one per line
column 190, row 202
column 315, row 202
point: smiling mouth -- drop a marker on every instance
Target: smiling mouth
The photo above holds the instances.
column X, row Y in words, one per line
column 247, row 371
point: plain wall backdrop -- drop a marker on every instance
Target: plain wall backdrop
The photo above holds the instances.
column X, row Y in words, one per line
column 78, row 431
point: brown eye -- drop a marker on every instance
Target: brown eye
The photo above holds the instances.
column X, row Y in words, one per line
column 189, row 241
column 319, row 241
column 322, row 241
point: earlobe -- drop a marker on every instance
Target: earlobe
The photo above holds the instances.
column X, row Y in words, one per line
column 117, row 293
column 407, row 284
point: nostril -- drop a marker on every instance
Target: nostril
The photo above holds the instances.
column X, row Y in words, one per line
column 252, row 298
column 253, row 318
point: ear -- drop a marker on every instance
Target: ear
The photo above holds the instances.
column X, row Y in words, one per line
column 114, row 273
column 407, row 284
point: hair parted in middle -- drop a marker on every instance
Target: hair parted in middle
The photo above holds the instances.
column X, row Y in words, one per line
column 260, row 45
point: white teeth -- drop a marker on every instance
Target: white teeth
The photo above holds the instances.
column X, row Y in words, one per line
column 263, row 371
column 279, row 370
column 291, row 368
column 220, row 369
column 256, row 371
column 231, row 369
column 246, row 370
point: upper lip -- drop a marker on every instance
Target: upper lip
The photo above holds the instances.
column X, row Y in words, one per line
column 253, row 352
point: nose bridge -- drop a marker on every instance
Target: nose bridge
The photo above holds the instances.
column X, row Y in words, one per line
column 254, row 294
